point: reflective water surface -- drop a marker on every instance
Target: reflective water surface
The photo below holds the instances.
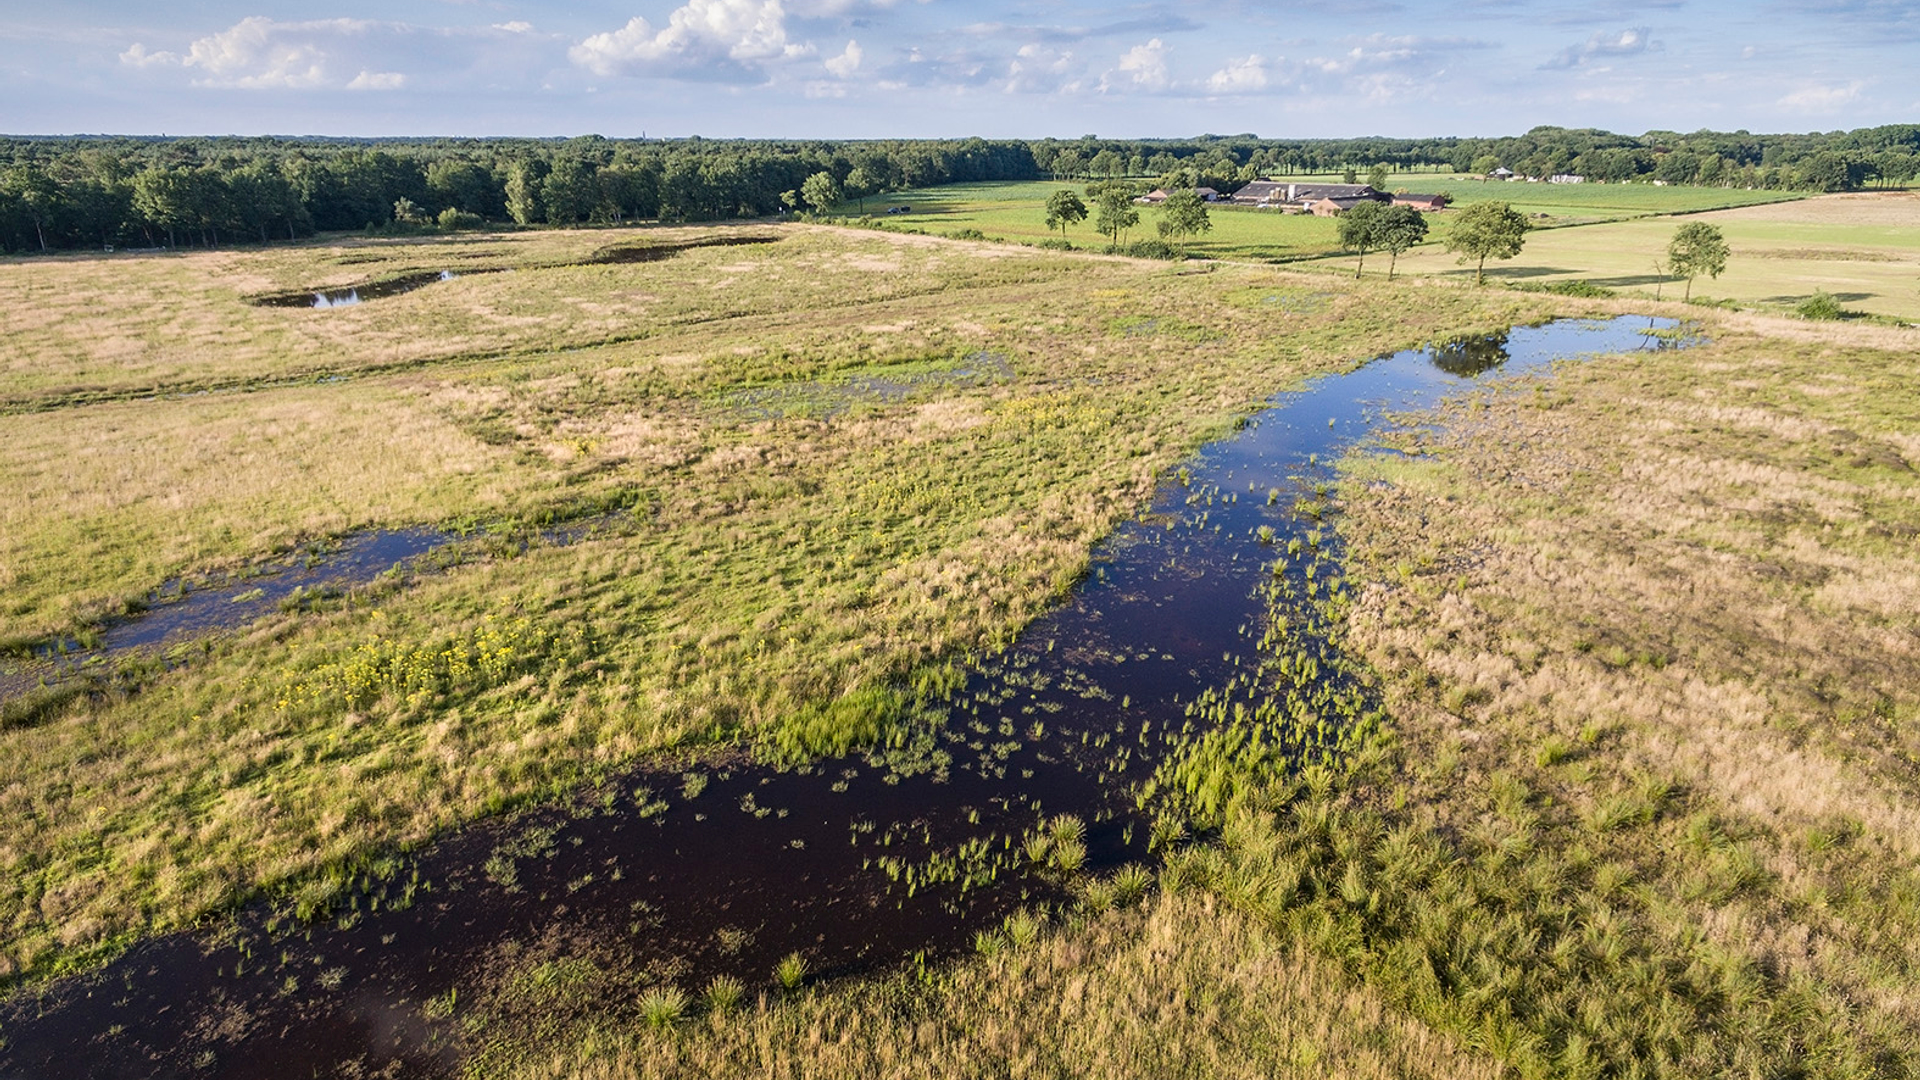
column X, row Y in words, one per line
column 723, row 868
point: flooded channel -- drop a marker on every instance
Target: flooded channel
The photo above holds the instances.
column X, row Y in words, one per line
column 857, row 863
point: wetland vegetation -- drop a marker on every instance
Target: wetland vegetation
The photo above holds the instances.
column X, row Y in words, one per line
column 1578, row 740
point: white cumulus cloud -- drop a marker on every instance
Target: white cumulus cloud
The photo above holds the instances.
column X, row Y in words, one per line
column 1821, row 99
column 1629, row 42
column 705, row 39
column 1041, row 69
column 138, row 56
column 1243, row 76
column 378, row 80
column 848, row 62
column 259, row 53
column 1143, row 67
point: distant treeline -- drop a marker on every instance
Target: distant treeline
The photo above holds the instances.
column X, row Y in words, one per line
column 87, row 192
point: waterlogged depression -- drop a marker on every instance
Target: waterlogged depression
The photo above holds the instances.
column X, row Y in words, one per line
column 856, row 863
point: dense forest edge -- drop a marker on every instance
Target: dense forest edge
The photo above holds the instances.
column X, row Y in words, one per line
column 94, row 192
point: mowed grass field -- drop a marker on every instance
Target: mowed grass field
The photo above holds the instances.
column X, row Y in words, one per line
column 1017, row 211
column 1862, row 248
column 797, row 553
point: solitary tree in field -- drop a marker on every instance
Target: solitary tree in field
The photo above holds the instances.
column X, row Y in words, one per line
column 1377, row 177
column 1697, row 248
column 1359, row 231
column 1487, row 229
column 1396, row 229
column 1064, row 208
column 1184, row 214
column 1114, row 212
column 859, row 185
column 820, row 190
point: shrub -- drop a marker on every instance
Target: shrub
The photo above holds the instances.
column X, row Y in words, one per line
column 1147, row 249
column 1055, row 243
column 1821, row 305
column 453, row 220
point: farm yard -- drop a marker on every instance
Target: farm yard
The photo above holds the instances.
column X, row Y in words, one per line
column 1564, row 728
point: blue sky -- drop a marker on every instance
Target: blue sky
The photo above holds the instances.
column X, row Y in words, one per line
column 875, row 68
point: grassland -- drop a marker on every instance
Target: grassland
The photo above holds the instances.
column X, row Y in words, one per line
column 799, row 557
column 1864, row 249
column 1643, row 632
column 1017, row 211
column 1184, row 988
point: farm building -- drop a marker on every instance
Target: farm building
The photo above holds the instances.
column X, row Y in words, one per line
column 1421, row 202
column 1334, row 207
column 1275, row 194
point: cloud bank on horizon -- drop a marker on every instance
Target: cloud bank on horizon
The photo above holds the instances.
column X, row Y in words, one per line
column 878, row 68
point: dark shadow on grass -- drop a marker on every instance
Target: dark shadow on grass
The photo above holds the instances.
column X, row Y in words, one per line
column 1518, row 273
column 1628, row 280
column 1843, row 297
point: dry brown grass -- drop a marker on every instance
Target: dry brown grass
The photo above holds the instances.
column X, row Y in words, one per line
column 1694, row 570
column 1187, row 989
column 1895, row 209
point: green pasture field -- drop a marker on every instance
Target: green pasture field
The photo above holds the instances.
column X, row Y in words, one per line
column 1017, row 211
column 1864, row 249
column 797, row 558
column 1582, row 204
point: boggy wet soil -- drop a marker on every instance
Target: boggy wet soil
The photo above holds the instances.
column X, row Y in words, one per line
column 858, row 863
column 617, row 254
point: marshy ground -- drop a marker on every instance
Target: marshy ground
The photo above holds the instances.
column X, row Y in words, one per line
column 1641, row 630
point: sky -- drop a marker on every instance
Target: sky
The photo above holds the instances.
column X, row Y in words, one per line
column 941, row 68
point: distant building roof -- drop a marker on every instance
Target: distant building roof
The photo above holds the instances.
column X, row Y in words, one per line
column 1159, row 195
column 1283, row 193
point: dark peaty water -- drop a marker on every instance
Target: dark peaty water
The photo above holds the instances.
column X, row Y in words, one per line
column 859, row 863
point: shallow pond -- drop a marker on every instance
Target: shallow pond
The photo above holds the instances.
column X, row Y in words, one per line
column 858, row 863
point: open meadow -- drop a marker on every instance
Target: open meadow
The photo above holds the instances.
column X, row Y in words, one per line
column 1574, row 734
